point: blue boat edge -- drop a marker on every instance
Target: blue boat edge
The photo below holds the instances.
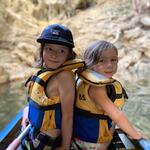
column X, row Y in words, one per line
column 10, row 126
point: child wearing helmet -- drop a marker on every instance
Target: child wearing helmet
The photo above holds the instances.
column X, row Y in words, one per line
column 52, row 91
column 99, row 100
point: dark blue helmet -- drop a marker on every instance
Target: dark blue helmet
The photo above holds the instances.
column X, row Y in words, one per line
column 56, row 34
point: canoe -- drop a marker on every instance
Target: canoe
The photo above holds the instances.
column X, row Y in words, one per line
column 12, row 130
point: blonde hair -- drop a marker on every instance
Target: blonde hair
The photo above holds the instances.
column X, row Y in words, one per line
column 94, row 50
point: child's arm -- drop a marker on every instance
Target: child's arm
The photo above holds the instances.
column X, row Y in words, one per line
column 102, row 101
column 67, row 95
column 25, row 120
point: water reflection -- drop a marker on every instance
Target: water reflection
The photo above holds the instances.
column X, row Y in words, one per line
column 137, row 107
column 12, row 98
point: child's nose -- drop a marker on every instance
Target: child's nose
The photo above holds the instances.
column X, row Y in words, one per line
column 54, row 53
column 109, row 64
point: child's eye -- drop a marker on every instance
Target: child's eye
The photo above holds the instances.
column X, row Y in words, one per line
column 47, row 48
column 101, row 60
column 50, row 49
column 114, row 60
column 62, row 51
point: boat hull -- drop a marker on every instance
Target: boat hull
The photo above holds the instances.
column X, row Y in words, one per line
column 13, row 129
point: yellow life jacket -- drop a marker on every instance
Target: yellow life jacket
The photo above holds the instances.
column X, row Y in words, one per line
column 43, row 111
column 86, row 108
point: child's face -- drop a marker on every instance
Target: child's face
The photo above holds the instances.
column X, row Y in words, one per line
column 107, row 64
column 54, row 55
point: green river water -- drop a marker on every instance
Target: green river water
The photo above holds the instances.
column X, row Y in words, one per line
column 137, row 107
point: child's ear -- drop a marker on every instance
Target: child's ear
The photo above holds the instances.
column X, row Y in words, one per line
column 71, row 55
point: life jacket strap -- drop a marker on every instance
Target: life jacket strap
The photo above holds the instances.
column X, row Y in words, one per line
column 89, row 114
column 44, row 108
column 111, row 92
column 38, row 80
column 125, row 93
column 47, row 140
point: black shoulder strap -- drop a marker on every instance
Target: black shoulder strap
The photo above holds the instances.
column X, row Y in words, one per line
column 29, row 79
column 32, row 78
column 111, row 92
column 124, row 93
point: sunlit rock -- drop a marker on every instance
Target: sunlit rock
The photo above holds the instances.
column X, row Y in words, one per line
column 4, row 76
column 25, row 53
column 145, row 20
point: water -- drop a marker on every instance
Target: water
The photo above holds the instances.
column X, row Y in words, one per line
column 12, row 98
column 137, row 107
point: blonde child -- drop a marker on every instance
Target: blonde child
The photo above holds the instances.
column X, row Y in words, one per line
column 99, row 100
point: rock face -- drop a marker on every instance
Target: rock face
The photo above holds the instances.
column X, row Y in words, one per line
column 4, row 76
column 22, row 21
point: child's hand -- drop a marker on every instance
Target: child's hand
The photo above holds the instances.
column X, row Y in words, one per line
column 25, row 120
column 143, row 135
column 139, row 136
